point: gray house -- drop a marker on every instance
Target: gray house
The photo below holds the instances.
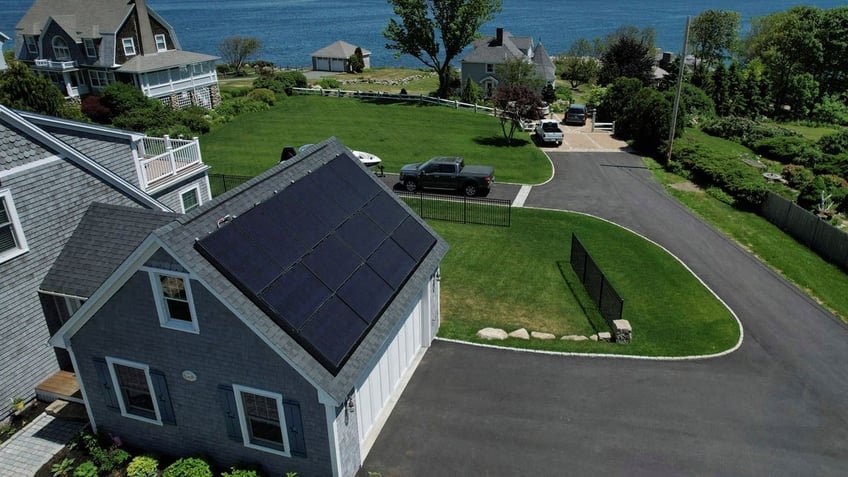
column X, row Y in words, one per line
column 490, row 51
column 276, row 325
column 83, row 45
column 51, row 170
column 336, row 57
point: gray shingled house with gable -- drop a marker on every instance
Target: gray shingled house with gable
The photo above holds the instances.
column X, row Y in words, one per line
column 275, row 325
column 84, row 45
column 51, row 170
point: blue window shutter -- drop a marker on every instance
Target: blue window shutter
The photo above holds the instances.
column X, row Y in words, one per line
column 227, row 398
column 295, row 428
column 106, row 383
column 160, row 387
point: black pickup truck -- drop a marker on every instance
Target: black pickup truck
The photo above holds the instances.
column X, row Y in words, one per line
column 447, row 173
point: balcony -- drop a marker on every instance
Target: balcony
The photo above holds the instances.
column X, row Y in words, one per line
column 56, row 65
column 165, row 159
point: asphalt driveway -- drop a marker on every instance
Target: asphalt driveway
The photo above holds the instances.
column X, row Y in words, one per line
column 776, row 406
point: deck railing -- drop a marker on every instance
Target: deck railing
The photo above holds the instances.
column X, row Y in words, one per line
column 165, row 157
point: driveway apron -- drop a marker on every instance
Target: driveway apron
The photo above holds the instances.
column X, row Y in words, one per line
column 776, row 406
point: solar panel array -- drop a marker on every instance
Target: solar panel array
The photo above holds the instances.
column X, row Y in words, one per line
column 323, row 257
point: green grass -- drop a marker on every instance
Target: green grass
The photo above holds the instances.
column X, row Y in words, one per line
column 399, row 133
column 823, row 281
column 809, row 132
column 519, row 277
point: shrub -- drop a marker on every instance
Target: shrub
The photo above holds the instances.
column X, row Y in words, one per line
column 833, row 164
column 123, row 98
column 237, row 106
column 144, row 119
column 143, row 466
column 836, row 187
column 720, row 195
column 740, row 181
column 291, row 79
column 329, row 83
column 830, row 110
column 744, row 131
column 263, row 94
column 240, row 473
column 188, row 467
column 797, row 176
column 106, row 459
column 95, row 110
column 836, row 143
column 86, row 469
column 788, row 149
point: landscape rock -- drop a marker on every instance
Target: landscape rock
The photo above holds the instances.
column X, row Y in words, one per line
column 623, row 331
column 605, row 336
column 520, row 333
column 574, row 338
column 492, row 334
column 594, row 337
column 542, row 336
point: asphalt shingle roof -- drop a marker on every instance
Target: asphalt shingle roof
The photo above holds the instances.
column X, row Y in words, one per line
column 338, row 49
column 163, row 60
column 80, row 18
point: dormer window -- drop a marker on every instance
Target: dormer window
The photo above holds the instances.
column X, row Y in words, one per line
column 174, row 301
column 129, row 46
column 31, row 44
column 161, row 44
column 60, row 49
column 12, row 240
column 90, row 51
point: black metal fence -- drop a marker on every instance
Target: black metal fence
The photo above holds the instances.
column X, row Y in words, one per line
column 826, row 240
column 600, row 290
column 458, row 208
column 220, row 183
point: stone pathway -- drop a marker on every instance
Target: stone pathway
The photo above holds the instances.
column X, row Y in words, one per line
column 32, row 447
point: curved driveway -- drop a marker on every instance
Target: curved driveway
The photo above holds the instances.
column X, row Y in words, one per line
column 777, row 406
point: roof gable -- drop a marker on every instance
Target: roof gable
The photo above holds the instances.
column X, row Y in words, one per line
column 79, row 18
column 489, row 50
column 338, row 49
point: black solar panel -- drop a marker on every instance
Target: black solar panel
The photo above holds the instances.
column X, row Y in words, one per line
column 323, row 257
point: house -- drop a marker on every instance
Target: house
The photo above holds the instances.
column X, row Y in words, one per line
column 336, row 57
column 3, row 39
column 51, row 170
column 275, row 325
column 83, row 45
column 488, row 52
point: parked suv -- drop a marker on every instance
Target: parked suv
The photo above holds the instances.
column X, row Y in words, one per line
column 576, row 114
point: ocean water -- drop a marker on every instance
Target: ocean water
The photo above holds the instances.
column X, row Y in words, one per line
column 292, row 29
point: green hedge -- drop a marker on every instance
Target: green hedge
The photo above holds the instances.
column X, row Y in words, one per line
column 745, row 131
column 739, row 180
column 788, row 150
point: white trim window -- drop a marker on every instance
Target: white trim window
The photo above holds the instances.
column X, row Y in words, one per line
column 490, row 68
column 134, row 390
column 90, row 51
column 12, row 240
column 174, row 301
column 161, row 44
column 60, row 49
column 31, row 44
column 99, row 79
column 190, row 198
column 262, row 420
column 129, row 46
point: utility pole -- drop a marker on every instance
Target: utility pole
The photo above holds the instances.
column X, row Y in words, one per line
column 679, row 89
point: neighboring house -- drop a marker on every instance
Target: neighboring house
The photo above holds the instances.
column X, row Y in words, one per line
column 486, row 53
column 51, row 170
column 276, row 325
column 336, row 57
column 83, row 45
column 3, row 39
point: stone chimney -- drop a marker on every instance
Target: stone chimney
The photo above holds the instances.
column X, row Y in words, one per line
column 499, row 36
column 145, row 31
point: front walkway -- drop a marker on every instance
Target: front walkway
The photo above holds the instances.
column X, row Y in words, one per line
column 32, row 447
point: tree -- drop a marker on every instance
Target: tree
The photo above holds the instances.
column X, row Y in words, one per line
column 581, row 64
column 515, row 104
column 20, row 88
column 457, row 23
column 714, row 35
column 470, row 92
column 629, row 58
column 236, row 50
column 517, row 72
column 616, row 98
column 646, row 120
column 357, row 61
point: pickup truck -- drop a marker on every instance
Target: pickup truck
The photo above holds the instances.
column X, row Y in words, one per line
column 548, row 131
column 447, row 173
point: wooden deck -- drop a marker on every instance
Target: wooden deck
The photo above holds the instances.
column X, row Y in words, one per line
column 62, row 385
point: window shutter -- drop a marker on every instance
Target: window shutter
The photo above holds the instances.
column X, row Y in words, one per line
column 295, row 428
column 228, row 404
column 106, row 382
column 160, row 387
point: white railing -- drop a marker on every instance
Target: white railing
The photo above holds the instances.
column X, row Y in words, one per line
column 166, row 157
column 604, row 127
column 341, row 93
column 181, row 85
column 59, row 65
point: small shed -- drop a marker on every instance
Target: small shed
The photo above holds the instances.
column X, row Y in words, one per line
column 336, row 57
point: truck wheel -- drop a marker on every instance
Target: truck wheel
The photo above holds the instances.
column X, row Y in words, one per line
column 411, row 185
column 470, row 189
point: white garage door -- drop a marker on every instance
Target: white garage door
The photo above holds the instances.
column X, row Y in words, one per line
column 382, row 382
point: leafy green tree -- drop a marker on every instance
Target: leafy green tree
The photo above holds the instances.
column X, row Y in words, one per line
column 20, row 88
column 645, row 36
column 616, row 99
column 581, row 64
column 696, row 105
column 714, row 35
column 517, row 72
column 802, row 95
column 414, row 31
column 515, row 104
column 121, row 98
column 721, row 90
column 629, row 58
column 237, row 50
column 549, row 94
column 646, row 120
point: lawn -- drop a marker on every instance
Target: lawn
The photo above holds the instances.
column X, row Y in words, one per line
column 399, row 133
column 519, row 277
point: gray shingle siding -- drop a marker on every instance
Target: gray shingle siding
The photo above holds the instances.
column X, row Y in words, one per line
column 17, row 150
column 50, row 201
column 217, row 355
column 171, row 196
column 112, row 153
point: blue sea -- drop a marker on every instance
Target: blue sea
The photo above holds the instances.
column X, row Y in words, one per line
column 292, row 29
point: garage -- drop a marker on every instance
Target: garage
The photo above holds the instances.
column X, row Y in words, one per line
column 321, row 64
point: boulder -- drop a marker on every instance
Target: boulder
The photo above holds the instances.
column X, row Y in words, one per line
column 542, row 336
column 605, row 336
column 574, row 338
column 594, row 337
column 623, row 331
column 520, row 333
column 492, row 334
